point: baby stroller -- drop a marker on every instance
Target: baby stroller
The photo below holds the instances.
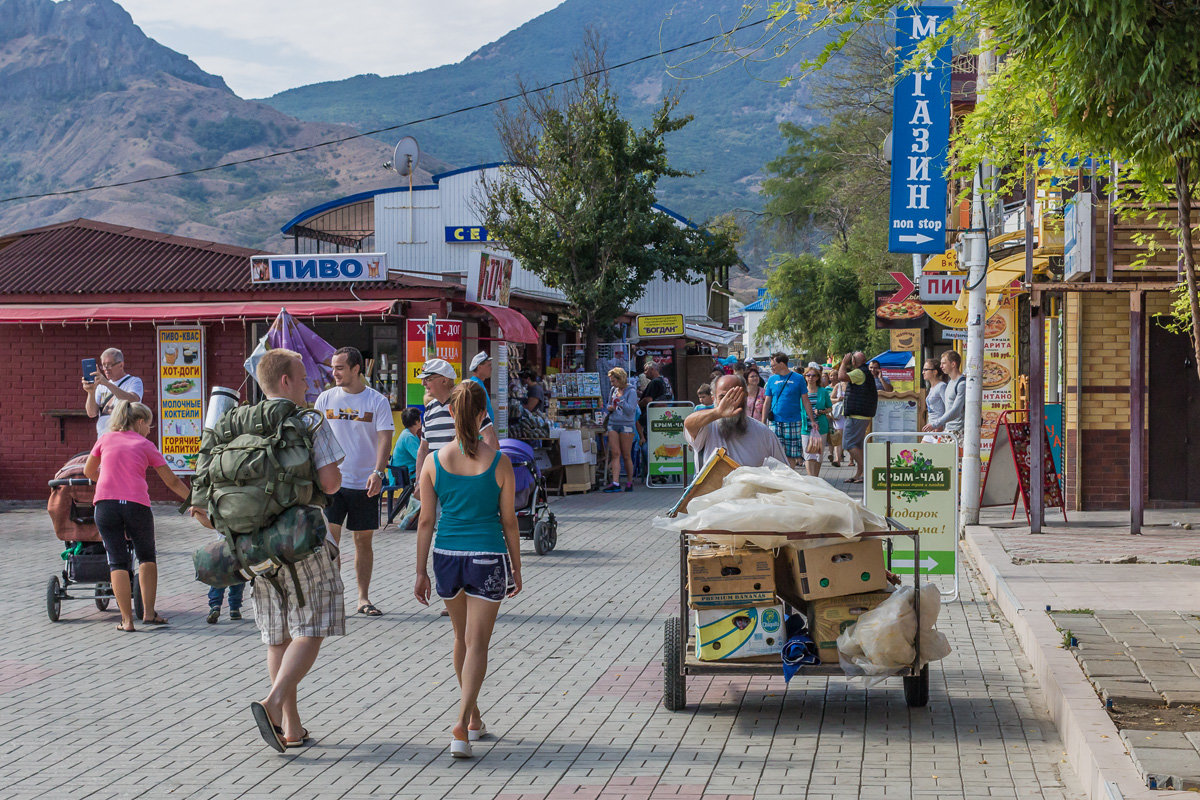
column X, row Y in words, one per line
column 86, row 568
column 534, row 519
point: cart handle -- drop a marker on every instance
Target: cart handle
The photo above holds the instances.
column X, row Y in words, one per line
column 70, row 482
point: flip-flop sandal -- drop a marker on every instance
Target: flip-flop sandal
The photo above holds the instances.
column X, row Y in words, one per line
column 271, row 733
column 368, row 610
column 854, row 480
column 123, row 629
column 302, row 742
column 156, row 621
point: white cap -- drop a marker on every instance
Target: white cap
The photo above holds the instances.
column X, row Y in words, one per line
column 438, row 366
column 813, row 365
column 478, row 360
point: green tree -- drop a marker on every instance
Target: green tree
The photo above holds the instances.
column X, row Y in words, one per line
column 835, row 178
column 576, row 204
column 822, row 312
column 1116, row 79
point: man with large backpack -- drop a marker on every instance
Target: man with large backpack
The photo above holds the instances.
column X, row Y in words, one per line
column 299, row 602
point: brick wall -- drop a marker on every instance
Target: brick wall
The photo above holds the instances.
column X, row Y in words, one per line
column 1096, row 414
column 47, row 359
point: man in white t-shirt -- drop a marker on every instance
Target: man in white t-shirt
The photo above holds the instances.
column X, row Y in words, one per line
column 746, row 440
column 361, row 419
column 109, row 386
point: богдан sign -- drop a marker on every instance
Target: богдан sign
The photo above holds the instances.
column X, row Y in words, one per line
column 920, row 136
column 319, row 268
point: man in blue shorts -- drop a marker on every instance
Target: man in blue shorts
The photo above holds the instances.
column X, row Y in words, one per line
column 787, row 398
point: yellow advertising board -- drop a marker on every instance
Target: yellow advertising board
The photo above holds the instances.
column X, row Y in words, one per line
column 181, row 361
column 999, row 373
column 649, row 326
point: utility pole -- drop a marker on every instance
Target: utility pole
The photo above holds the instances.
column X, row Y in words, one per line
column 976, row 256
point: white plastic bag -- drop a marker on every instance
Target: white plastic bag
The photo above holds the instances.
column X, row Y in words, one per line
column 881, row 642
column 774, row 497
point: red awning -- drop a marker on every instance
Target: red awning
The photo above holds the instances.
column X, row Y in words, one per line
column 183, row 312
column 513, row 324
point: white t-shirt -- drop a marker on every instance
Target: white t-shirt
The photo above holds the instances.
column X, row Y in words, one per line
column 355, row 419
column 126, row 383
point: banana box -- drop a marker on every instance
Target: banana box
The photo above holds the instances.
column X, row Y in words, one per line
column 733, row 633
column 722, row 577
column 828, row 617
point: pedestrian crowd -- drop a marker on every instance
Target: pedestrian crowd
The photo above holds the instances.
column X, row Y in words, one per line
column 467, row 528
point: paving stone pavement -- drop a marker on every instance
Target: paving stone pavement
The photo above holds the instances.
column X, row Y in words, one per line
column 573, row 698
column 1092, row 537
column 1145, row 658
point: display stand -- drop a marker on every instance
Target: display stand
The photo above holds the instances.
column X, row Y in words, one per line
column 669, row 463
column 1007, row 476
column 575, row 403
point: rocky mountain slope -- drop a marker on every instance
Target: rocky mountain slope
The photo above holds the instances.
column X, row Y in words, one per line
column 88, row 98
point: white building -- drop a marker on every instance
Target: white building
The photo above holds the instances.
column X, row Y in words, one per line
column 752, row 316
column 437, row 229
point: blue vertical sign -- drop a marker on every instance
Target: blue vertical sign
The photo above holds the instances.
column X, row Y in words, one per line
column 920, row 136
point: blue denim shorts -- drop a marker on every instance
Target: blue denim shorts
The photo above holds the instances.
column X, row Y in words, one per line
column 488, row 576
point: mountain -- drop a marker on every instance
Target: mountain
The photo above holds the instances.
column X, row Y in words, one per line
column 88, row 98
column 737, row 104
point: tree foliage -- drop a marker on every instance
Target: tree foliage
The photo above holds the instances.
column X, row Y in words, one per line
column 576, row 203
column 1110, row 79
column 834, row 177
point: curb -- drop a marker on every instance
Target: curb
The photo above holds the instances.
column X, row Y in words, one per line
column 1093, row 745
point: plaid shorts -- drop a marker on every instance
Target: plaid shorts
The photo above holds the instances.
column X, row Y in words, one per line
column 281, row 617
column 790, row 437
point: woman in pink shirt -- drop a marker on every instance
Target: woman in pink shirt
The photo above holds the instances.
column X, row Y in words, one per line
column 118, row 465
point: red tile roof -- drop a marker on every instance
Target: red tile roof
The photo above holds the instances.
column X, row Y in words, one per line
column 86, row 257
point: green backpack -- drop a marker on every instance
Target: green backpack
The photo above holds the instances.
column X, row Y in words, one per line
column 253, row 466
column 294, row 536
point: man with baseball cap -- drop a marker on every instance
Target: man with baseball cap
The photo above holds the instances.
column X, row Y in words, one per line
column 438, row 377
column 481, row 371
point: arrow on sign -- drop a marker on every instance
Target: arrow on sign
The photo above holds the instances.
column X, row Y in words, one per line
column 914, row 238
column 927, row 563
column 907, row 287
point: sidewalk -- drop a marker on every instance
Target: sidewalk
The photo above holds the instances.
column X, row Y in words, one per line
column 573, row 696
column 1128, row 619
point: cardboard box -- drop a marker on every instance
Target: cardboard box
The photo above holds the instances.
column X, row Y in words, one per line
column 578, row 473
column 711, row 477
column 736, row 633
column 570, row 448
column 853, row 567
column 721, row 577
column 827, row 618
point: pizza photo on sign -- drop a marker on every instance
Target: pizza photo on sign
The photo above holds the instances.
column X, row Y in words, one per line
column 988, row 423
column 995, row 375
column 994, row 326
column 904, row 314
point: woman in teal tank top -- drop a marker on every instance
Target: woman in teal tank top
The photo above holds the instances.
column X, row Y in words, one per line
column 476, row 547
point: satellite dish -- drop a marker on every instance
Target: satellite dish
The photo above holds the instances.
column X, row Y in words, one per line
column 404, row 160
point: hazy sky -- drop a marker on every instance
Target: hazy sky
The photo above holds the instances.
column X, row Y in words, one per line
column 261, row 47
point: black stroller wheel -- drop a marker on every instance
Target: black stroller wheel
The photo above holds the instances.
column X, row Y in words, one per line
column 53, row 601
column 102, row 603
column 539, row 538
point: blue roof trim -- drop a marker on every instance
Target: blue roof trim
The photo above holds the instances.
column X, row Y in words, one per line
column 757, row 305
column 345, row 201
column 357, row 198
column 673, row 215
column 477, row 168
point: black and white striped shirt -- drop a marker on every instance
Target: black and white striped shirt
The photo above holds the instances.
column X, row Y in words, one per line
column 439, row 425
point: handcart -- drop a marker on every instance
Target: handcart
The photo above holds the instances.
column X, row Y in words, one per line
column 680, row 659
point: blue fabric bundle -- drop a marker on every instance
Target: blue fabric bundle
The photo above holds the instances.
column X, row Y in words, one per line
column 799, row 650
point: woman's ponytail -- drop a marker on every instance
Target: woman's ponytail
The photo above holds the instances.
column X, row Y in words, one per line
column 127, row 413
column 467, row 402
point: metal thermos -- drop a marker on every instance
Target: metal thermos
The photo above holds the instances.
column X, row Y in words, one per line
column 220, row 401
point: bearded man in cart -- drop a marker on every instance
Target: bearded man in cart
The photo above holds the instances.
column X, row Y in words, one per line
column 746, row 440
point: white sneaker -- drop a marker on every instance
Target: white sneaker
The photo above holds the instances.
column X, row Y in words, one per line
column 475, row 736
column 460, row 749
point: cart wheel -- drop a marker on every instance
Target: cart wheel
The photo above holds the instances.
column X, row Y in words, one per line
column 53, row 601
column 139, row 610
column 102, row 603
column 540, row 537
column 674, row 683
column 916, row 689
